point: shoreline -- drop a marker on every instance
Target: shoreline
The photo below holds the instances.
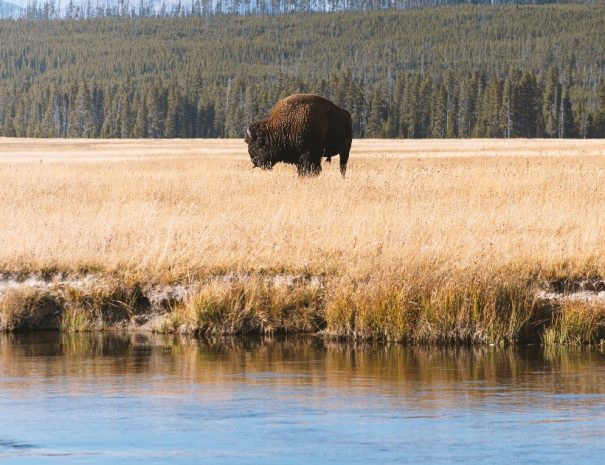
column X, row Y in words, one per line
column 551, row 312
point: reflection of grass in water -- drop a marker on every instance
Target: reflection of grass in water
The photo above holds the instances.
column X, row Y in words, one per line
column 96, row 343
column 73, row 344
column 157, row 359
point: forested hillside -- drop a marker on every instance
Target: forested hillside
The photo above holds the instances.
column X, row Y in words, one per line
column 463, row 71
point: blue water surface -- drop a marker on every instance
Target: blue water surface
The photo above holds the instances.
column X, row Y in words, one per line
column 117, row 399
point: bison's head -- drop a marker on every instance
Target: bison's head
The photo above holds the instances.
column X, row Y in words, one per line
column 258, row 146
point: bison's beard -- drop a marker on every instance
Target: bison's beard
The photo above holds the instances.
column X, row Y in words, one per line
column 259, row 160
column 261, row 165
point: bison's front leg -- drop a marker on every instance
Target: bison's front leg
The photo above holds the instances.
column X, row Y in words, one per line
column 309, row 164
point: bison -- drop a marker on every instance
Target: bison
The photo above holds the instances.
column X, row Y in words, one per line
column 300, row 130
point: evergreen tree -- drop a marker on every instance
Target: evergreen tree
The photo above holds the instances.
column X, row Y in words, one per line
column 598, row 126
column 218, row 118
column 156, row 115
column 140, row 129
column 51, row 124
column 439, row 113
column 173, row 125
column 126, row 116
column 234, row 110
column 424, row 123
column 81, row 125
column 552, row 103
column 507, row 110
column 21, row 119
column 528, row 112
column 411, row 108
column 467, row 106
column 376, row 115
column 97, row 109
column 566, row 126
column 452, row 106
column 493, row 109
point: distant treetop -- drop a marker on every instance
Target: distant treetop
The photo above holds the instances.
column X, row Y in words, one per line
column 88, row 9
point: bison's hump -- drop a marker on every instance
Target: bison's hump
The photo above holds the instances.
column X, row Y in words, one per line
column 304, row 99
column 301, row 107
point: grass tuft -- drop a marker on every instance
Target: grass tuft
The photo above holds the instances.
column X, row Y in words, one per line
column 251, row 306
column 423, row 313
column 105, row 304
column 576, row 323
column 27, row 308
column 75, row 320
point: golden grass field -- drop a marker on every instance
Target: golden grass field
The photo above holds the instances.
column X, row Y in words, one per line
column 434, row 223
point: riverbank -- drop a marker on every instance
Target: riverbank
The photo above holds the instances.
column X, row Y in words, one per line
column 499, row 311
column 465, row 241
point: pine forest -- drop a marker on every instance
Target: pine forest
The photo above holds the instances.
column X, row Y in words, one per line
column 443, row 72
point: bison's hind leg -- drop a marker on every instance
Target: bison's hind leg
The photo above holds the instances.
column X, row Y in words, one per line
column 344, row 158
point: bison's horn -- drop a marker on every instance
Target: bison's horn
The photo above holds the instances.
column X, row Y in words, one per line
column 248, row 133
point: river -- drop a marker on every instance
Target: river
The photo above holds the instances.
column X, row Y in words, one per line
column 102, row 398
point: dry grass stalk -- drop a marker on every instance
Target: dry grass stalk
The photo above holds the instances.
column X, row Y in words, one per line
column 180, row 209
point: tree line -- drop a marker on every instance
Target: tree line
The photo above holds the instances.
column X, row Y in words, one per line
column 446, row 72
column 89, row 9
column 415, row 107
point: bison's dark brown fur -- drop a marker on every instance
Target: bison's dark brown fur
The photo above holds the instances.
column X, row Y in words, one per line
column 300, row 130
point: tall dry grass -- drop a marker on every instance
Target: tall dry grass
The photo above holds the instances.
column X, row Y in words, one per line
column 437, row 230
column 181, row 207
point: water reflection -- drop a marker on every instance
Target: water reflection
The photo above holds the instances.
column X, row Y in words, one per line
column 292, row 400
